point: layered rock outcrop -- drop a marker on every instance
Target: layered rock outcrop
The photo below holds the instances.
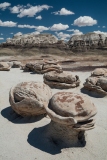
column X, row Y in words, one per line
column 45, row 40
column 33, row 40
column 87, row 41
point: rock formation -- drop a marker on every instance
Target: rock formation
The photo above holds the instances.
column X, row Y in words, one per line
column 29, row 98
column 71, row 115
column 42, row 67
column 4, row 66
column 97, row 82
column 87, row 41
column 62, row 80
column 42, row 41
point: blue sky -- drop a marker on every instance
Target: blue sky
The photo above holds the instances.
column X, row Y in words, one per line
column 62, row 18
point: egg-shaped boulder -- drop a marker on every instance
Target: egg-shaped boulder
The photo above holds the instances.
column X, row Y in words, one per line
column 29, row 98
column 99, row 72
column 62, row 80
column 97, row 82
column 71, row 115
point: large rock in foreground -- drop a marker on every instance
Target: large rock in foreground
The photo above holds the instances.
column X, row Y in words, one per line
column 97, row 82
column 29, row 98
column 71, row 115
column 62, row 80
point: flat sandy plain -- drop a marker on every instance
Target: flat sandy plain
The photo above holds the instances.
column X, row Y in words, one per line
column 24, row 138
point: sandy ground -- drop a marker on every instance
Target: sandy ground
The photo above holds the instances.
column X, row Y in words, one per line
column 24, row 139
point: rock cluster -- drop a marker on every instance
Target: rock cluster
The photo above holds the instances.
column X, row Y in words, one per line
column 29, row 98
column 71, row 115
column 62, row 80
column 42, row 67
column 97, row 82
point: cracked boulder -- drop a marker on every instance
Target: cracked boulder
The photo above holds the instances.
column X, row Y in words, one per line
column 29, row 98
column 62, row 80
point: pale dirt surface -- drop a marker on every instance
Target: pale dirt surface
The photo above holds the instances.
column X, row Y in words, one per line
column 24, row 138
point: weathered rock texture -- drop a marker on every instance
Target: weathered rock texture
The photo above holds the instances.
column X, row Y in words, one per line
column 50, row 43
column 62, row 80
column 32, row 40
column 87, row 41
column 4, row 66
column 97, row 82
column 42, row 67
column 71, row 115
column 28, row 98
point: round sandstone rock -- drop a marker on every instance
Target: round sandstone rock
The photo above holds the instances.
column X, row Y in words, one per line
column 72, row 109
column 62, row 80
column 29, row 98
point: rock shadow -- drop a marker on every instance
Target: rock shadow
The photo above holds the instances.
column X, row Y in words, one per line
column 92, row 93
column 40, row 139
column 13, row 117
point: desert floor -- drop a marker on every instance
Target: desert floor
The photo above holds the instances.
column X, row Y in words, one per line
column 24, row 138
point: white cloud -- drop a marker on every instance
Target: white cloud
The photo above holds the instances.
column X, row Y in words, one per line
column 7, row 24
column 62, row 35
column 4, row 5
column 76, row 32
column 63, row 11
column 98, row 26
column 103, row 26
column 1, row 34
column 18, row 34
column 99, row 32
column 11, row 33
column 16, row 9
column 84, row 21
column 70, row 30
column 8, row 38
column 37, row 28
column 35, row 33
column 32, row 10
column 41, row 28
column 1, row 38
column 26, row 26
column 39, row 17
column 58, row 27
